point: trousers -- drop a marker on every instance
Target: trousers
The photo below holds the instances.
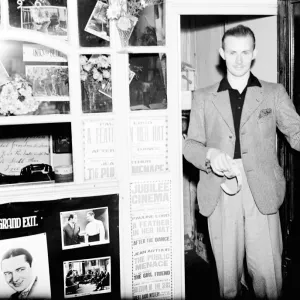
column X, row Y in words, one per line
column 238, row 230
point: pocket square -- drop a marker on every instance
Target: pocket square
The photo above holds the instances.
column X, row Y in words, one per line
column 264, row 112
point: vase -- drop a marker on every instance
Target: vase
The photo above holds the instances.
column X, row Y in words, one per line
column 91, row 89
column 126, row 34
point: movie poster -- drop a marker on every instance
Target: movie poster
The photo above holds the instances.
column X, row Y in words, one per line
column 151, row 239
column 149, row 145
column 60, row 249
column 99, row 153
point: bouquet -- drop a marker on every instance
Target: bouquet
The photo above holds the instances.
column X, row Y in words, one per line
column 126, row 14
column 16, row 97
column 95, row 73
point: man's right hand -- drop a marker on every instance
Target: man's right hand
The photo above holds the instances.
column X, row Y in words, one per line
column 220, row 162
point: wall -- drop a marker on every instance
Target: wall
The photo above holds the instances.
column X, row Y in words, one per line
column 265, row 30
column 201, row 38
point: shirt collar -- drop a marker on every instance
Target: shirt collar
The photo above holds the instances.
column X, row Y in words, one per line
column 72, row 225
column 224, row 84
column 24, row 293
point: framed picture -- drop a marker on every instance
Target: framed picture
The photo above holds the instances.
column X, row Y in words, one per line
column 62, row 144
column 98, row 23
column 87, row 277
column 49, row 82
column 50, row 20
column 85, row 227
column 26, row 256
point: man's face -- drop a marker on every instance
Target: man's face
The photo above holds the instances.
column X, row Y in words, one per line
column 89, row 217
column 17, row 272
column 238, row 54
column 74, row 220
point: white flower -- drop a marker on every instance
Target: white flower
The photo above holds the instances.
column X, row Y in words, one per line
column 16, row 98
column 94, row 59
column 143, row 3
column 114, row 11
column 106, row 74
column 124, row 23
column 103, row 62
column 83, row 75
column 97, row 75
column 87, row 67
column 83, row 60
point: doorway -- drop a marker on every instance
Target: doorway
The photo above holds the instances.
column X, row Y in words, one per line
column 202, row 66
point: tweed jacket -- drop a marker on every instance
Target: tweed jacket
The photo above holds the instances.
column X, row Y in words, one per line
column 211, row 126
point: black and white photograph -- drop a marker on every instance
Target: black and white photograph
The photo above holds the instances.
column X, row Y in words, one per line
column 148, row 88
column 49, row 82
column 62, row 144
column 24, row 272
column 98, row 23
column 84, row 227
column 87, row 277
column 48, row 19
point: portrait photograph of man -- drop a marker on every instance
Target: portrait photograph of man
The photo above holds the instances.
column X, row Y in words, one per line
column 84, row 227
column 24, row 268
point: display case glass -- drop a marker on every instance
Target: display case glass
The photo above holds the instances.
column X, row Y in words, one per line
column 36, row 154
column 93, row 24
column 150, row 26
column 96, row 83
column 34, row 80
column 148, row 84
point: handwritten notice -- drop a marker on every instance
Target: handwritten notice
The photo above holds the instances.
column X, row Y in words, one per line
column 99, row 153
column 149, row 145
column 16, row 153
column 151, row 239
column 39, row 53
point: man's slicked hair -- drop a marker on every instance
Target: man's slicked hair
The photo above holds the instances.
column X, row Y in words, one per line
column 91, row 213
column 71, row 216
column 17, row 252
column 238, row 31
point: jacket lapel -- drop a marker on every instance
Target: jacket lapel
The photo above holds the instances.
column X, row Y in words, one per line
column 253, row 99
column 222, row 103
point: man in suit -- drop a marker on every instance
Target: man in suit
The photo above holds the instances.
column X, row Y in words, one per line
column 16, row 265
column 232, row 137
column 71, row 231
column 104, row 279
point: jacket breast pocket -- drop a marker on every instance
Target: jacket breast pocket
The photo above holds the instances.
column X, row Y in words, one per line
column 266, row 125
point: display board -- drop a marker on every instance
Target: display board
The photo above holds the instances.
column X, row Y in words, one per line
column 63, row 249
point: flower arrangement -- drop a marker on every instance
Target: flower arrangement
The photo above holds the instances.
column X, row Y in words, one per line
column 95, row 73
column 126, row 14
column 16, row 97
